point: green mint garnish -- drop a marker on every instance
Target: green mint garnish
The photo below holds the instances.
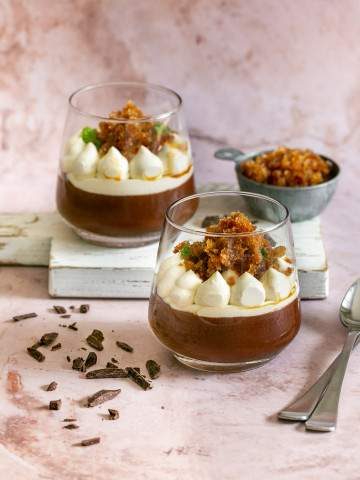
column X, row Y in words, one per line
column 161, row 129
column 264, row 252
column 185, row 251
column 89, row 134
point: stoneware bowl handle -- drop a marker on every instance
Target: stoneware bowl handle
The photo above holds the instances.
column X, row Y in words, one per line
column 231, row 154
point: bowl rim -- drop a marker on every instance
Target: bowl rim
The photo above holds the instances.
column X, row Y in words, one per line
column 288, row 189
column 195, row 231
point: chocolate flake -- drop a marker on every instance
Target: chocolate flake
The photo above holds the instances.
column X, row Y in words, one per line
column 124, row 346
column 79, row 364
column 69, row 420
column 153, row 369
column 95, row 340
column 48, row 338
column 90, row 441
column 34, row 353
column 107, row 373
column 91, row 360
column 65, row 316
column 84, row 308
column 56, row 347
column 55, row 405
column 68, row 358
column 138, row 378
column 111, row 365
column 102, row 396
column 210, row 220
column 114, row 360
column 73, row 326
column 59, row 309
column 71, row 426
column 51, row 387
column 72, row 307
column 113, row 414
column 17, row 318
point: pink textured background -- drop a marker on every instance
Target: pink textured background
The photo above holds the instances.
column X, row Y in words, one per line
column 252, row 74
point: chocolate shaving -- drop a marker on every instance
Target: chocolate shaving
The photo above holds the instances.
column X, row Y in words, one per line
column 95, row 340
column 69, row 420
column 114, row 360
column 107, row 373
column 56, row 347
column 73, row 326
column 51, row 387
column 68, row 358
column 137, row 378
column 65, row 316
column 90, row 441
column 55, row 405
column 111, row 365
column 84, row 308
column 72, row 307
column 17, row 318
column 113, row 414
column 79, row 364
column 91, row 360
column 153, row 369
column 34, row 353
column 48, row 338
column 124, row 346
column 71, row 426
column 102, row 396
column 210, row 220
column 59, row 309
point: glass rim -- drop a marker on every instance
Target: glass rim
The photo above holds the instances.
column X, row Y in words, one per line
column 195, row 231
column 146, row 118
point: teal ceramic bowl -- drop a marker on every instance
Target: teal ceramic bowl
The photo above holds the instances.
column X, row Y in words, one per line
column 303, row 203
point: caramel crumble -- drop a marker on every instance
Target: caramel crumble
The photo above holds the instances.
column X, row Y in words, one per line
column 252, row 253
column 287, row 167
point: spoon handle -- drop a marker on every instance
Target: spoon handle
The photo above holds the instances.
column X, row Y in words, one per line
column 232, row 154
column 301, row 409
column 324, row 417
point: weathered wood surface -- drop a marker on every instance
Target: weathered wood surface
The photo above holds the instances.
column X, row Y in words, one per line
column 78, row 269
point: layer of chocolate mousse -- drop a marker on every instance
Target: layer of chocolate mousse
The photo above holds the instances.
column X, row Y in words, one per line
column 224, row 339
column 112, row 215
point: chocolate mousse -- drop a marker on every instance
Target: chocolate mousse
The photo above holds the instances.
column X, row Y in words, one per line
column 226, row 299
column 117, row 180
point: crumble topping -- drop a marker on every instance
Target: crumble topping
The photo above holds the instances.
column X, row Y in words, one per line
column 287, row 167
column 129, row 137
column 253, row 254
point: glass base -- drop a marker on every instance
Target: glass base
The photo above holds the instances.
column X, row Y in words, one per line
column 116, row 242
column 221, row 367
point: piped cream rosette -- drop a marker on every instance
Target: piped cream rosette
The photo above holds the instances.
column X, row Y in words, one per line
column 113, row 174
column 225, row 294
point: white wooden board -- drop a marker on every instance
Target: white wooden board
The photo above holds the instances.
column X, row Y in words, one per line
column 79, row 269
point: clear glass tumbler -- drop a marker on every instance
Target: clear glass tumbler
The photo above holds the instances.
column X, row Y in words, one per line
column 225, row 295
column 125, row 158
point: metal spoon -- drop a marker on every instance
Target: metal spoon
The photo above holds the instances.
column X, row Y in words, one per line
column 303, row 407
column 324, row 417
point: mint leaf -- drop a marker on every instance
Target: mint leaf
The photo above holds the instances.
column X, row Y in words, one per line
column 185, row 251
column 89, row 134
column 161, row 129
column 264, row 252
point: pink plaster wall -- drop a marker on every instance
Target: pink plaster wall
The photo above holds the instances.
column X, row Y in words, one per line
column 252, row 73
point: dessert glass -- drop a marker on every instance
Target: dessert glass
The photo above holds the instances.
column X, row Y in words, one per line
column 225, row 295
column 121, row 169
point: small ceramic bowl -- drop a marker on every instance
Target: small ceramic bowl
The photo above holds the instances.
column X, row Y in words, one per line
column 304, row 203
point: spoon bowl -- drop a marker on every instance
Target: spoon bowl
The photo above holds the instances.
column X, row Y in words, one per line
column 350, row 307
